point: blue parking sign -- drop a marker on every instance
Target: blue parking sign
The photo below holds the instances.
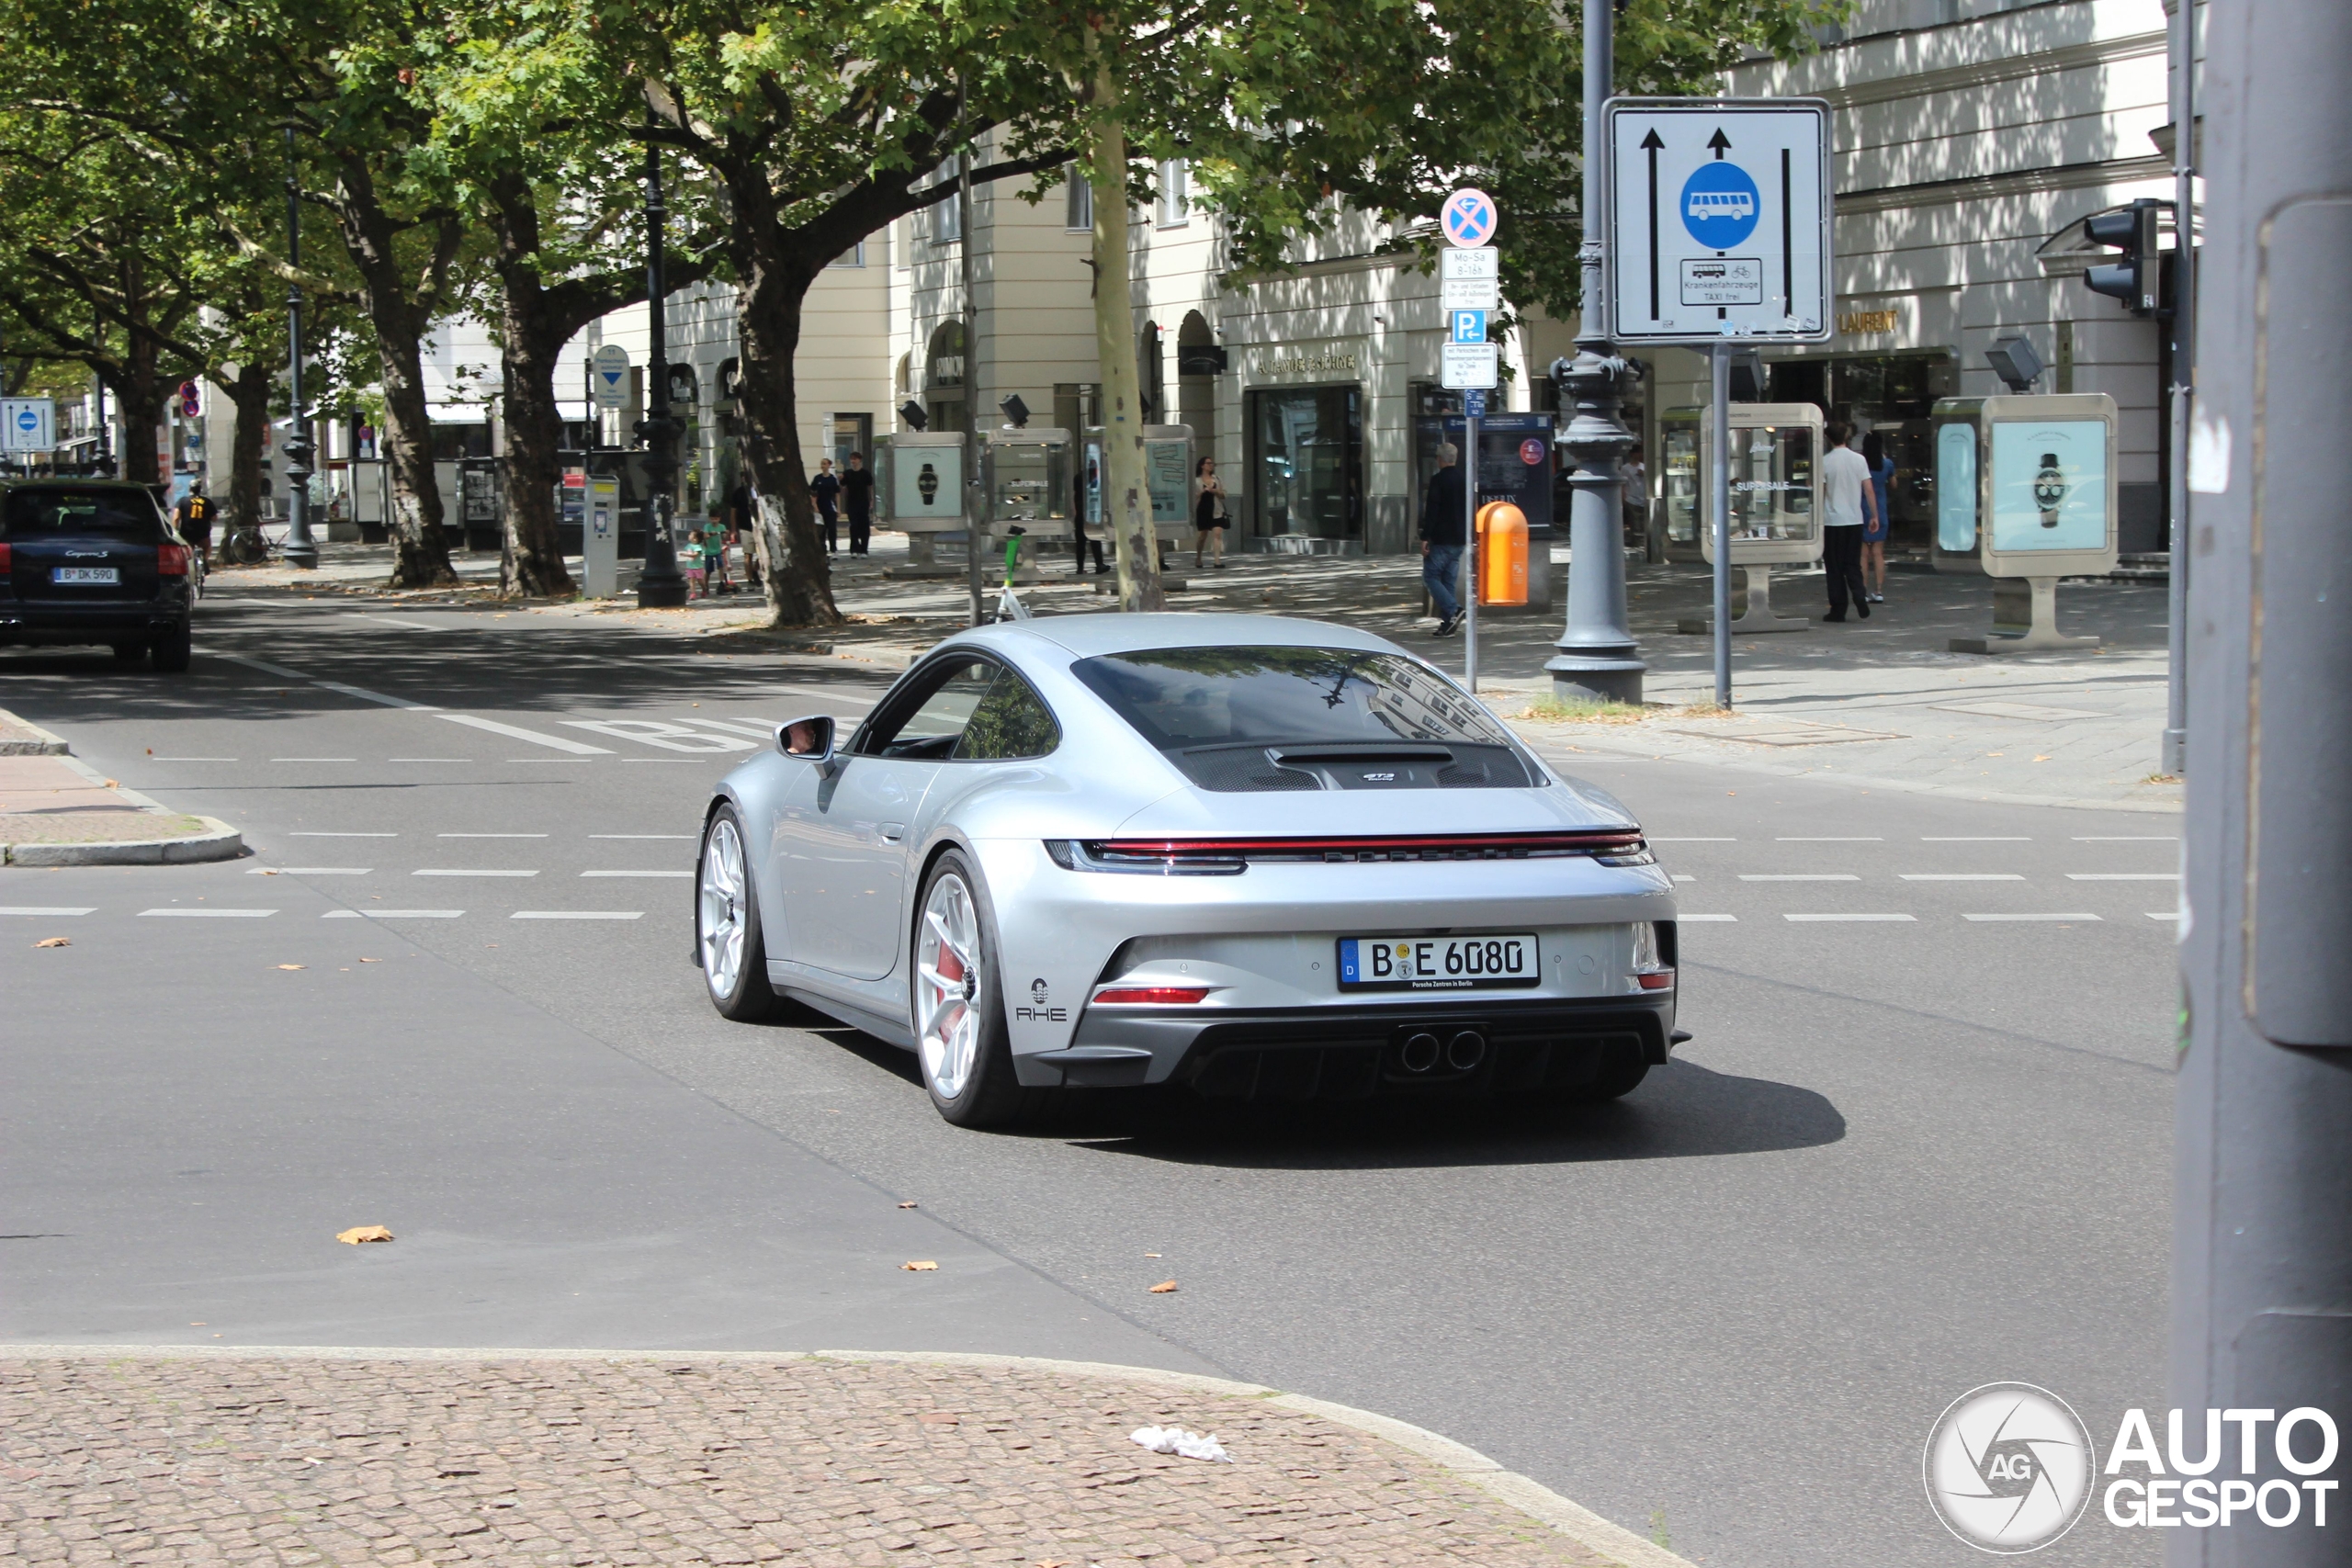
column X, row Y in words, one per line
column 1469, row 326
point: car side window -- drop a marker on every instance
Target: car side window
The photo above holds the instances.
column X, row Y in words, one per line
column 930, row 719
column 1012, row 721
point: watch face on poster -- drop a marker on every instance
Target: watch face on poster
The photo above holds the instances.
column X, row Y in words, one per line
column 1956, row 487
column 2049, row 485
column 928, row 482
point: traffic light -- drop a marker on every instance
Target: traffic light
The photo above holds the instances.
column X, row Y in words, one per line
column 2137, row 278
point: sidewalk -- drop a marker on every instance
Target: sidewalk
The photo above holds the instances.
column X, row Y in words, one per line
column 57, row 810
column 158, row 1454
column 1882, row 702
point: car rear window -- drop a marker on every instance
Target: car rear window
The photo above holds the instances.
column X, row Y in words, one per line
column 42, row 511
column 1179, row 698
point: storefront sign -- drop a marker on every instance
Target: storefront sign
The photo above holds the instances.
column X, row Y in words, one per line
column 1862, row 322
column 1311, row 362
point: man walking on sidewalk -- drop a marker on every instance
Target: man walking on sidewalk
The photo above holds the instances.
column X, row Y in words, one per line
column 858, row 500
column 1847, row 502
column 1442, row 538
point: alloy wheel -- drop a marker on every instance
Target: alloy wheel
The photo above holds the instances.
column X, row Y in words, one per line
column 947, row 987
column 720, row 908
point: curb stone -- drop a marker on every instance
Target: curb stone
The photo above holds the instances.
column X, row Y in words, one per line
column 36, row 741
column 221, row 842
column 1530, row 1497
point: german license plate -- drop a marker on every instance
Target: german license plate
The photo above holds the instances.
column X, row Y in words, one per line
column 1438, row 962
column 100, row 574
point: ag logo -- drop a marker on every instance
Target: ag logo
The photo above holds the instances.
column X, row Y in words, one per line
column 2009, row 1468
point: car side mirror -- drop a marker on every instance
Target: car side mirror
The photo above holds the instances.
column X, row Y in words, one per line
column 809, row 739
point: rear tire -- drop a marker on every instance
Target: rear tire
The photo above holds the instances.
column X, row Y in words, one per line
column 961, row 1039
column 170, row 651
column 728, row 944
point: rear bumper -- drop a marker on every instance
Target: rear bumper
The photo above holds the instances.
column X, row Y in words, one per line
column 1357, row 1053
column 22, row 622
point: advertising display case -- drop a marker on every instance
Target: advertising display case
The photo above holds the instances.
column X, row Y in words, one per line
column 1775, row 506
column 2026, row 494
column 919, row 481
column 1168, row 473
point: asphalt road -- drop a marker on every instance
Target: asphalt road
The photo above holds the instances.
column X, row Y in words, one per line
column 1906, row 1155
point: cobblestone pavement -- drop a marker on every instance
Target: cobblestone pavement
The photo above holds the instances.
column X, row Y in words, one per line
column 159, row 1458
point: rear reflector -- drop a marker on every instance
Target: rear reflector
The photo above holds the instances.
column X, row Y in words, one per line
column 171, row 560
column 4, row 557
column 1153, row 996
column 1657, row 980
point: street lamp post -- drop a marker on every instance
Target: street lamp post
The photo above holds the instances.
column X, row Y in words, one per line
column 659, row 585
column 1597, row 658
column 300, row 549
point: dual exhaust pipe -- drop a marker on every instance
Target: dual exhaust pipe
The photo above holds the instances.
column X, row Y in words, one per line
column 1420, row 1053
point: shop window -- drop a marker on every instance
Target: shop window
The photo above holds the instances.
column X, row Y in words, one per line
column 1306, row 462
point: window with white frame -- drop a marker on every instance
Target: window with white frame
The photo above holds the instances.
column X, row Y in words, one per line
column 1175, row 193
column 947, row 220
column 1078, row 208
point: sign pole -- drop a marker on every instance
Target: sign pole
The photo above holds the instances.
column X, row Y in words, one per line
column 2175, row 755
column 1470, row 547
column 1719, row 497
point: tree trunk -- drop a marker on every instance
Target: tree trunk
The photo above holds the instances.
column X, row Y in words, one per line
column 535, row 335
column 249, row 395
column 770, row 287
column 1127, row 494
column 139, row 395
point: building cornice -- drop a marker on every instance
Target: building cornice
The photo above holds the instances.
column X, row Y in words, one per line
column 1979, row 73
column 2019, row 182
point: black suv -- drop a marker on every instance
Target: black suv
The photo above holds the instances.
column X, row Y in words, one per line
column 94, row 561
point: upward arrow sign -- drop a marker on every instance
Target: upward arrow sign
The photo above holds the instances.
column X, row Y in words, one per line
column 1719, row 141
column 1652, row 145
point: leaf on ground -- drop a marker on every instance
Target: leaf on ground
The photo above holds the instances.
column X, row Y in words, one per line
column 112, row 784
column 924, row 1267
column 907, row 1204
column 1151, row 1255
column 1163, row 1288
column 358, row 1233
column 371, row 961
column 293, row 966
column 55, row 942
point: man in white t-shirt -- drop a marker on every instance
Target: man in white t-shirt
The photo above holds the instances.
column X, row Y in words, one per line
column 1847, row 502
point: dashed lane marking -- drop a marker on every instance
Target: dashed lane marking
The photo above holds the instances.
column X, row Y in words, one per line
column 392, row 914
column 469, row 871
column 1799, row 877
column 1908, row 919
column 514, row 732
column 1962, row 875
column 637, row 874
column 44, row 909
column 2067, row 917
column 210, row 914
column 2163, row 914
column 577, row 915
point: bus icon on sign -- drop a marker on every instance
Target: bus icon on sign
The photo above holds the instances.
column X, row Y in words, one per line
column 1732, row 204
column 1720, row 205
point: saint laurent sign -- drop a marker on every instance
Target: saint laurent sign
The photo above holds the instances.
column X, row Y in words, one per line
column 1868, row 322
column 1311, row 362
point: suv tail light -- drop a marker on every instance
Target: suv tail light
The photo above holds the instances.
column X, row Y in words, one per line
column 171, row 560
column 3, row 555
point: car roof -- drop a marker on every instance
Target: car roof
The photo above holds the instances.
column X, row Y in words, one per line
column 1112, row 631
column 22, row 481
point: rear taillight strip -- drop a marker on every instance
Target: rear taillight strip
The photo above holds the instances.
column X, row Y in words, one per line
column 1450, row 846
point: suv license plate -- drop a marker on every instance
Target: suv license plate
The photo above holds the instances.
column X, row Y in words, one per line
column 101, row 574
column 1439, row 963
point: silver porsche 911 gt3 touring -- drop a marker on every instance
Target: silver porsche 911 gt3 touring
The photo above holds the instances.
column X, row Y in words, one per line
column 1262, row 857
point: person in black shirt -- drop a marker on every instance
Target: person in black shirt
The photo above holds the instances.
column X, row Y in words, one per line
column 1442, row 537
column 826, row 492
column 858, row 500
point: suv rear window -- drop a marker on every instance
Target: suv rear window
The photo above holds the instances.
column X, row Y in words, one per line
column 63, row 511
column 1257, row 718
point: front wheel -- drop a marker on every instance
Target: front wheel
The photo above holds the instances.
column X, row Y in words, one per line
column 960, row 1032
column 728, row 943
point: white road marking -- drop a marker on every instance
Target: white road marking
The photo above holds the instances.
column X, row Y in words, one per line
column 637, row 874
column 760, row 729
column 1706, row 916
column 1872, row 840
column 681, row 838
column 322, row 834
column 653, row 732
column 2127, row 839
column 1962, row 876
column 557, row 742
column 472, row 873
column 1904, row 918
column 221, row 914
column 390, row 621
column 577, row 915
column 192, row 759
column 2028, row 917
column 1679, row 877
column 360, row 692
column 392, row 914
column 2123, row 876
column 314, row 758
column 490, row 835
column 1801, row 876
column 40, row 909
column 2163, row 914
column 1979, row 839
column 311, row 871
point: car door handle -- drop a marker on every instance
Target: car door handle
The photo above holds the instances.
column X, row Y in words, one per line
column 894, row 832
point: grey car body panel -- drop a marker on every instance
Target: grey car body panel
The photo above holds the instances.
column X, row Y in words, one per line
column 1058, row 930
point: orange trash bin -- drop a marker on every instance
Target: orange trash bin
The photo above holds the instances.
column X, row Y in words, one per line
column 1502, row 554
